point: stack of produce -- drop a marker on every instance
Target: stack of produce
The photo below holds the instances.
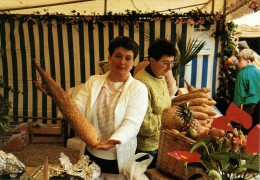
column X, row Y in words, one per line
column 192, row 114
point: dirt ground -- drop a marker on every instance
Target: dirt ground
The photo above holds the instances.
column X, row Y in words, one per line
column 33, row 155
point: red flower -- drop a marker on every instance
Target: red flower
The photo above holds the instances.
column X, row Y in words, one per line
column 240, row 140
column 185, row 156
column 239, row 116
column 222, row 123
column 253, row 139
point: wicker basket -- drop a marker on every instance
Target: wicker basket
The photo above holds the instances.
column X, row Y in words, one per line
column 172, row 141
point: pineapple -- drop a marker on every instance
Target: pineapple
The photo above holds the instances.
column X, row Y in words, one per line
column 188, row 122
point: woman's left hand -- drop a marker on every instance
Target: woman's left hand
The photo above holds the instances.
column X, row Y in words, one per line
column 107, row 144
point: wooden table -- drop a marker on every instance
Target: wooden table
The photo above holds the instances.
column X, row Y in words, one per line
column 152, row 174
column 103, row 176
column 156, row 174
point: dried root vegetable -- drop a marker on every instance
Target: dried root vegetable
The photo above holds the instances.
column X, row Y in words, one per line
column 204, row 90
column 193, row 89
column 192, row 102
column 83, row 128
column 211, row 102
column 205, row 109
column 189, row 96
column 199, row 115
column 189, row 87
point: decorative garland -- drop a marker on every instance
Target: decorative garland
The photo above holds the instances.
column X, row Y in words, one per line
column 130, row 17
column 228, row 71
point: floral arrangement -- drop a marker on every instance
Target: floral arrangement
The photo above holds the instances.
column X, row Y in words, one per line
column 216, row 157
column 227, row 70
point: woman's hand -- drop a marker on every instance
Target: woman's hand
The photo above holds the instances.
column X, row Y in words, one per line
column 107, row 144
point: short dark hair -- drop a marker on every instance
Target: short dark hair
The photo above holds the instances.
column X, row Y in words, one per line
column 125, row 42
column 161, row 47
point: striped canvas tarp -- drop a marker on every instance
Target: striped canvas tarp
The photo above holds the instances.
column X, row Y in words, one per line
column 71, row 53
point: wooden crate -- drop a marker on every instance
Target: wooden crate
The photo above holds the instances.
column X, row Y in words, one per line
column 46, row 133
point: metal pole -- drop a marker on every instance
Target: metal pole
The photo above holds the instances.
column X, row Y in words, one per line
column 105, row 7
column 213, row 7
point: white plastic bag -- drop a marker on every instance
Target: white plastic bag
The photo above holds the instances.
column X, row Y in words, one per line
column 134, row 170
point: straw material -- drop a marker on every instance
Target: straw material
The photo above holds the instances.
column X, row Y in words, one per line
column 170, row 141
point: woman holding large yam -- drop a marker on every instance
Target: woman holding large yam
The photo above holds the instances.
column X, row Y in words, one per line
column 115, row 103
column 109, row 108
column 161, row 56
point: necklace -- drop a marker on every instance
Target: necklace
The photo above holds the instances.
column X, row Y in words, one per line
column 113, row 87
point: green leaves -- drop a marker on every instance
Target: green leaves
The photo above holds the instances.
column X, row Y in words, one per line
column 205, row 143
column 5, row 121
column 5, row 105
column 232, row 165
column 193, row 48
column 187, row 52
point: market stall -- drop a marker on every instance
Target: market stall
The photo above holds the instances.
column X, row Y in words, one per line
column 69, row 40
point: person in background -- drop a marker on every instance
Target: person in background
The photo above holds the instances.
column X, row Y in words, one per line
column 247, row 86
column 161, row 55
column 170, row 80
column 243, row 45
column 115, row 103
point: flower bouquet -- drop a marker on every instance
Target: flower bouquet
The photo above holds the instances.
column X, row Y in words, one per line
column 233, row 156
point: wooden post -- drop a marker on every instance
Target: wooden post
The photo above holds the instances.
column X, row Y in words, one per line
column 46, row 169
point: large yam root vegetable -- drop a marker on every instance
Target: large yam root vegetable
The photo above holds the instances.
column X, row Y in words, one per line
column 189, row 96
column 199, row 115
column 192, row 102
column 193, row 89
column 83, row 128
column 205, row 109
column 211, row 102
column 189, row 87
column 204, row 90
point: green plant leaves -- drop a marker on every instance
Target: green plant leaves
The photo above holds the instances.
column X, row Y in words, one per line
column 202, row 143
column 187, row 52
column 232, row 165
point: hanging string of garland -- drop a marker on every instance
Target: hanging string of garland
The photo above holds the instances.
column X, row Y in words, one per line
column 228, row 71
column 130, row 17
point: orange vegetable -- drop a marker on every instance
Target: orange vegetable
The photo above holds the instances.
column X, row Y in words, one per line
column 199, row 115
column 205, row 109
column 192, row 102
column 189, row 87
column 205, row 90
column 83, row 128
column 189, row 96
